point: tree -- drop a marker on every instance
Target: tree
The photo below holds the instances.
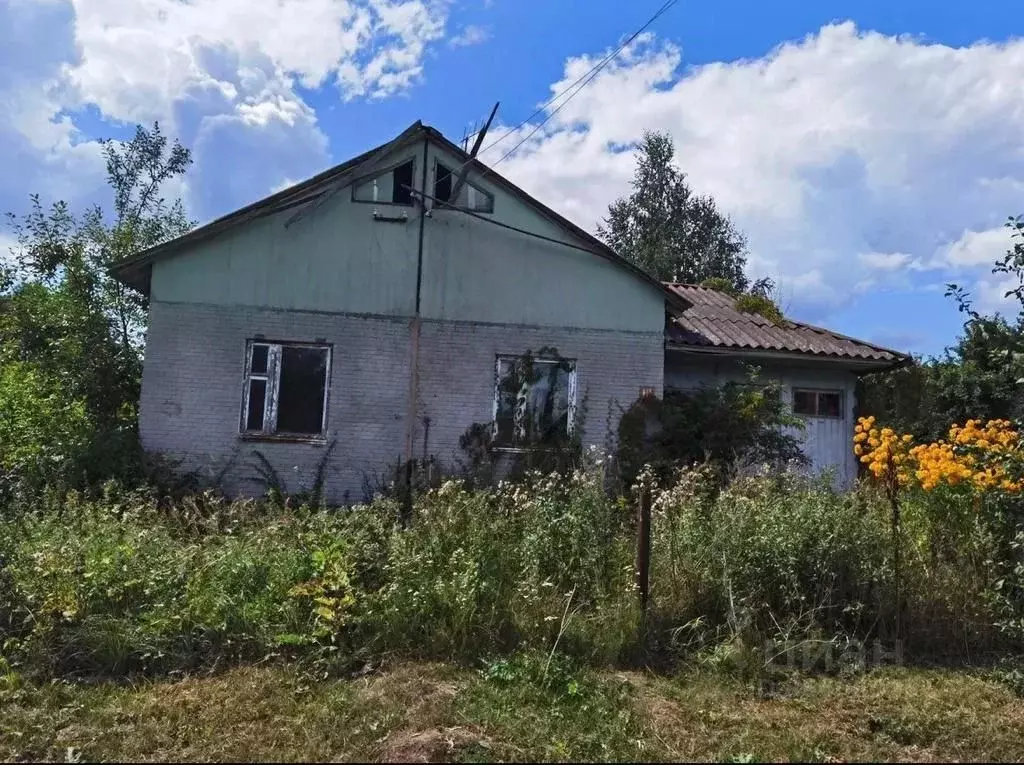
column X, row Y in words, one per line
column 68, row 330
column 668, row 230
column 980, row 377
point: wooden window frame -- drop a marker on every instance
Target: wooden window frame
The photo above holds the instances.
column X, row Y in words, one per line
column 272, row 378
column 818, row 392
column 570, row 420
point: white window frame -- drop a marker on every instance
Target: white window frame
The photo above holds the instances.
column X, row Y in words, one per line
column 506, row 359
column 272, row 377
column 817, row 402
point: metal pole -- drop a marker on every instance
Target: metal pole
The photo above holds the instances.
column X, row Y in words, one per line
column 643, row 553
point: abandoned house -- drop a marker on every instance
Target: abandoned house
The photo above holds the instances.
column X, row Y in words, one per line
column 376, row 311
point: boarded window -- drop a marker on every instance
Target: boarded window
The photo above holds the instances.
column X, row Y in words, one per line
column 471, row 197
column 391, row 187
column 286, row 389
column 534, row 402
column 818, row 403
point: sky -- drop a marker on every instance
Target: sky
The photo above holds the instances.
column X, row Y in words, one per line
column 870, row 151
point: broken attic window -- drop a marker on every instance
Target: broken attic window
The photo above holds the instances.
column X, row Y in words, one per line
column 391, row 187
column 286, row 389
column 534, row 402
column 401, row 188
column 818, row 403
column 471, row 197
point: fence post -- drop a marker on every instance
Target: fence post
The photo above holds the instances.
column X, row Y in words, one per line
column 643, row 550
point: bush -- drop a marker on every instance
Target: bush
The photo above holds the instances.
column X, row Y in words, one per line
column 768, row 555
column 731, row 426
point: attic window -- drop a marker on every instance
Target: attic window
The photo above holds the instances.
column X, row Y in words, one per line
column 401, row 188
column 285, row 392
column 391, row 187
column 818, row 403
column 471, row 196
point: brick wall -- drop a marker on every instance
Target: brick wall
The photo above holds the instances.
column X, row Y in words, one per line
column 193, row 377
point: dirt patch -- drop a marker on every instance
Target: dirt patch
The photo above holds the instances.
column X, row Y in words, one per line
column 435, row 745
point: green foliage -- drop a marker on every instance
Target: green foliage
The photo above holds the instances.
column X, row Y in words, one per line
column 760, row 305
column 67, row 326
column 557, row 709
column 731, row 426
column 44, row 430
column 668, row 230
column 979, row 377
column 760, row 556
column 124, row 584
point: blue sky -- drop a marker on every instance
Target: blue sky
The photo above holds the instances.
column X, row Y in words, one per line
column 871, row 151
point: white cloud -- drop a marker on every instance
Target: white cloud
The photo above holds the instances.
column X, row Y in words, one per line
column 139, row 56
column 989, row 295
column 827, row 151
column 219, row 74
column 886, row 261
column 470, row 35
column 977, row 248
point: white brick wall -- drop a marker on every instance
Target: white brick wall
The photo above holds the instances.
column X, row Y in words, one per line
column 192, row 387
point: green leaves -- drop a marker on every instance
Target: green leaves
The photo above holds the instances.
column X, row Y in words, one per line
column 668, row 230
column 70, row 329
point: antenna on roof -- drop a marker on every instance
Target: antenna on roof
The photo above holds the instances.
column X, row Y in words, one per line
column 461, row 180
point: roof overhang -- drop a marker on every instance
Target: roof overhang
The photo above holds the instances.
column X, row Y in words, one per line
column 857, row 365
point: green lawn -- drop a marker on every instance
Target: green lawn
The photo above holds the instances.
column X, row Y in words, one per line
column 430, row 712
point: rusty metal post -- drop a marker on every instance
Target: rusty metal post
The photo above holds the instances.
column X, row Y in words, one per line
column 643, row 550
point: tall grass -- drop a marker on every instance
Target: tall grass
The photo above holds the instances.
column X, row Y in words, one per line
column 124, row 583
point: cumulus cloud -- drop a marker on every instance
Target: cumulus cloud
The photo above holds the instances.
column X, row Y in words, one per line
column 222, row 75
column 139, row 56
column 842, row 155
column 977, row 248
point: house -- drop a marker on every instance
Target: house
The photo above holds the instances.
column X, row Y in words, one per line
column 373, row 313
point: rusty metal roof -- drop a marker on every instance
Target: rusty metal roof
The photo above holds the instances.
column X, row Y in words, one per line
column 713, row 321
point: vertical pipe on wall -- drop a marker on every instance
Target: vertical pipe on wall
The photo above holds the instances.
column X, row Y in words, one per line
column 414, row 327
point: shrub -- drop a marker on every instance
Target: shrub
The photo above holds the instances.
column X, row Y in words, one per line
column 767, row 552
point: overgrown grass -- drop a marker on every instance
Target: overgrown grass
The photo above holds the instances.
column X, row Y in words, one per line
column 122, row 585
column 511, row 711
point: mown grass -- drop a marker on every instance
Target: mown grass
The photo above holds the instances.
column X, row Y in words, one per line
column 515, row 710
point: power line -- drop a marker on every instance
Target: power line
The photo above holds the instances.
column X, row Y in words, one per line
column 586, row 79
column 581, row 82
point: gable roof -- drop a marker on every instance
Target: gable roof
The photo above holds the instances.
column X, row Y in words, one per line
column 712, row 322
column 135, row 270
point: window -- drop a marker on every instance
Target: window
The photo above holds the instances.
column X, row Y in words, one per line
column 818, row 403
column 471, row 197
column 534, row 402
column 285, row 389
column 391, row 187
column 401, row 187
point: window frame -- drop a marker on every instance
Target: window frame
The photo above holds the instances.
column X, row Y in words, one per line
column 384, row 171
column 272, row 377
column 439, row 165
column 570, row 423
column 818, row 392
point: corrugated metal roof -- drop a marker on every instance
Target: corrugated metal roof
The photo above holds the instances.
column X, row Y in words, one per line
column 712, row 321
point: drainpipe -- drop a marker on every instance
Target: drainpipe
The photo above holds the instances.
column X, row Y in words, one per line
column 414, row 329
